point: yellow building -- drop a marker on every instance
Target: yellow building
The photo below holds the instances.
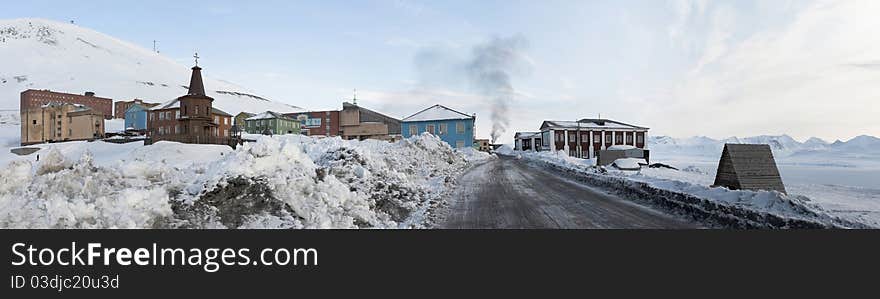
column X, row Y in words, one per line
column 56, row 122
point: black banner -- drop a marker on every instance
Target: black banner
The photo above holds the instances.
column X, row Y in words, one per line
column 413, row 263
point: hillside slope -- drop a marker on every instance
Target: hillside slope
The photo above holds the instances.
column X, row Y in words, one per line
column 43, row 54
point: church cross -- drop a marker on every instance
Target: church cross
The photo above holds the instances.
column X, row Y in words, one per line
column 197, row 58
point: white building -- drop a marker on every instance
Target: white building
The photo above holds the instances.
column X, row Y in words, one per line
column 586, row 137
column 527, row 141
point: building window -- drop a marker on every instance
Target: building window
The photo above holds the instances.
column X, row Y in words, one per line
column 560, row 137
column 35, row 121
column 429, row 129
column 413, row 130
column 459, row 127
column 640, row 138
column 176, row 129
column 618, row 138
column 197, row 109
column 216, row 119
column 443, row 129
column 459, row 144
column 629, row 138
column 597, row 138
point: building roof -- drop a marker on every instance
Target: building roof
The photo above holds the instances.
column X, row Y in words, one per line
column 175, row 104
column 219, row 112
column 269, row 115
column 138, row 106
column 437, row 112
column 196, row 87
column 588, row 123
column 526, row 135
column 77, row 107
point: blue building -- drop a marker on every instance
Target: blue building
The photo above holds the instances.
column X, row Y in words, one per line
column 136, row 117
column 453, row 127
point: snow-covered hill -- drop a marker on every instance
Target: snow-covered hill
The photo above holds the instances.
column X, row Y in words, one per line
column 43, row 54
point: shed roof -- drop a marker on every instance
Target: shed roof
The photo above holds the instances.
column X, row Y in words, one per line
column 748, row 167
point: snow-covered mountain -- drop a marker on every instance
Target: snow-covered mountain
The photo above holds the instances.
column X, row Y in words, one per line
column 782, row 145
column 43, row 54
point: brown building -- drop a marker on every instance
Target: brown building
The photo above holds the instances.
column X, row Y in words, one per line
column 54, row 122
column 360, row 123
column 318, row 123
column 33, row 99
column 483, row 145
column 120, row 106
column 190, row 118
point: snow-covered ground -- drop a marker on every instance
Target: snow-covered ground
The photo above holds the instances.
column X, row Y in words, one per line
column 829, row 179
column 840, row 177
column 693, row 183
column 283, row 181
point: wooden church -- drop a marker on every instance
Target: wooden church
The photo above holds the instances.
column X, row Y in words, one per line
column 748, row 167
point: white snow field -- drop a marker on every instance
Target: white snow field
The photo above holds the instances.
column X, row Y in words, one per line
column 43, row 54
column 825, row 181
column 284, row 181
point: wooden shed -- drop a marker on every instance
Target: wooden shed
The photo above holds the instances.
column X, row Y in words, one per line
column 748, row 167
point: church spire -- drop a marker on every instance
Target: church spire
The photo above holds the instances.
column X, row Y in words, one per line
column 196, row 86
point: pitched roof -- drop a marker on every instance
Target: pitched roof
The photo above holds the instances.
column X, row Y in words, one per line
column 175, row 103
column 526, row 134
column 219, row 112
column 437, row 112
column 748, row 167
column 269, row 115
column 589, row 123
column 196, row 87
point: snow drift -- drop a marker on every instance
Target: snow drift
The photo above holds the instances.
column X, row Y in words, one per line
column 717, row 206
column 276, row 182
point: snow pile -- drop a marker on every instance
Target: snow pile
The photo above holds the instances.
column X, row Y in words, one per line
column 288, row 181
column 629, row 163
column 736, row 208
column 473, row 155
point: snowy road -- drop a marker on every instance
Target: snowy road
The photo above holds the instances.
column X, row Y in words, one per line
column 509, row 193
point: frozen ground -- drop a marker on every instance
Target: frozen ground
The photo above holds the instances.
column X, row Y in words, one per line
column 846, row 188
column 275, row 182
column 816, row 190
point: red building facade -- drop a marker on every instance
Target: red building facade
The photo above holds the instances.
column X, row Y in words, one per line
column 34, row 99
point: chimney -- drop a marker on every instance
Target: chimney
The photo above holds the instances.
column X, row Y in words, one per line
column 89, row 93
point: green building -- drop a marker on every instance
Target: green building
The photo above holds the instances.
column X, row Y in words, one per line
column 239, row 118
column 271, row 123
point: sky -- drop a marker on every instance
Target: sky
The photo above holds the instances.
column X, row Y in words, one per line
column 681, row 67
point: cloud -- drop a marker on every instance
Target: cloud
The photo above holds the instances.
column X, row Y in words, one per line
column 815, row 75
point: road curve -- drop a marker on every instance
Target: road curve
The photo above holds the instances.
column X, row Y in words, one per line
column 509, row 193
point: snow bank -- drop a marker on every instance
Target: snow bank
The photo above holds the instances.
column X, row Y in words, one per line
column 286, row 181
column 725, row 207
column 629, row 163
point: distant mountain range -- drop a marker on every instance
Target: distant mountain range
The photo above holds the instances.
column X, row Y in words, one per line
column 782, row 145
column 43, row 54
